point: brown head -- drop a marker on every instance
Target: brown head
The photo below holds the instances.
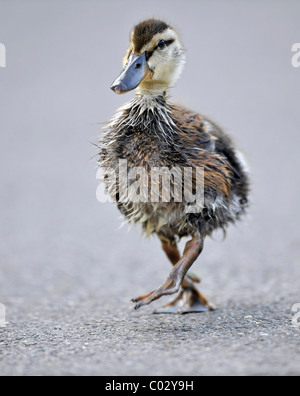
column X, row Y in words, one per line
column 154, row 60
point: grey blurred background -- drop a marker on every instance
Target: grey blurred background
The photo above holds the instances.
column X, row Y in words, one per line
column 65, row 267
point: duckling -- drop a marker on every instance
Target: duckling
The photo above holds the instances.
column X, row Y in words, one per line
column 150, row 133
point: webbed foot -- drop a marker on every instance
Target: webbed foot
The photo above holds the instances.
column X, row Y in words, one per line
column 190, row 300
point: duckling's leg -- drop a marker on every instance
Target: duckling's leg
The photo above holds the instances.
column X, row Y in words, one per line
column 190, row 299
column 172, row 251
column 175, row 279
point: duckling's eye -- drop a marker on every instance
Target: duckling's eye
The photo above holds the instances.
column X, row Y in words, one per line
column 161, row 44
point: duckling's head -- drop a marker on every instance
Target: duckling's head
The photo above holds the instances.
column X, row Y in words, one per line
column 154, row 60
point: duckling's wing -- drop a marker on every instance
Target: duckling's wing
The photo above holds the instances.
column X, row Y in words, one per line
column 203, row 133
column 193, row 128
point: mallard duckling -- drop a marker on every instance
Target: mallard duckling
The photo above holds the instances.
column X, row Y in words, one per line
column 150, row 133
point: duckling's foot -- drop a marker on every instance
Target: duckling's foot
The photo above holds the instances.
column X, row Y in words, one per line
column 190, row 300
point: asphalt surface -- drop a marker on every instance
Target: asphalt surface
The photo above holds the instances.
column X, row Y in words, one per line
column 67, row 272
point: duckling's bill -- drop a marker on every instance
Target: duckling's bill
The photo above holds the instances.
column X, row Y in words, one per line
column 136, row 70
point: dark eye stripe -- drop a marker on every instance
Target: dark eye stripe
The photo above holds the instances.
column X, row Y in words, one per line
column 169, row 42
column 150, row 53
column 166, row 43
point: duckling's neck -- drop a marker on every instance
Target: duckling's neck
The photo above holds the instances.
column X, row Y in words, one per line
column 150, row 114
column 150, row 103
